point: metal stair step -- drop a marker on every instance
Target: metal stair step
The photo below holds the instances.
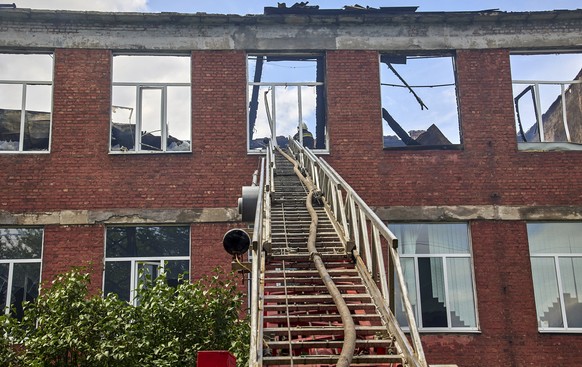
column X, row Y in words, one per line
column 314, row 343
column 309, row 318
column 322, row 330
column 318, row 307
column 296, row 298
column 372, row 360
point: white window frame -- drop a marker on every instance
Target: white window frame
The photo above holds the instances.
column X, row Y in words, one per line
column 272, row 100
column 535, row 86
column 556, row 256
column 443, row 257
column 12, row 262
column 164, row 129
column 135, row 261
column 25, row 84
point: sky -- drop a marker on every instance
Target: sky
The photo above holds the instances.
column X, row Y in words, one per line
column 256, row 6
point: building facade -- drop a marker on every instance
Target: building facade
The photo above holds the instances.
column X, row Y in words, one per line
column 125, row 140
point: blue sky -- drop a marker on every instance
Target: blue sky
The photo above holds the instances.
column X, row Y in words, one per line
column 256, row 6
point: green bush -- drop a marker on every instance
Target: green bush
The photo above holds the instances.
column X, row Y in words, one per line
column 66, row 326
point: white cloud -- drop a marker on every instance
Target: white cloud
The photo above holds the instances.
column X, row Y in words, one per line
column 95, row 5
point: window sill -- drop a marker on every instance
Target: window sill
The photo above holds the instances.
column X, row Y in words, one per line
column 560, row 331
column 425, row 147
column 446, row 331
column 115, row 152
column 548, row 147
column 263, row 151
column 24, row 152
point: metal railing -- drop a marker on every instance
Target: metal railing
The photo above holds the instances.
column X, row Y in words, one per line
column 363, row 230
column 261, row 235
column 533, row 87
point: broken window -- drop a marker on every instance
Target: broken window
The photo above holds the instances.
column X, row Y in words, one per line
column 151, row 109
column 20, row 260
column 547, row 89
column 286, row 100
column 556, row 264
column 436, row 261
column 134, row 255
column 419, row 101
column 25, row 102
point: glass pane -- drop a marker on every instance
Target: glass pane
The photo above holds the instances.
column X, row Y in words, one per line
column 546, row 293
column 148, row 241
column 20, row 243
column 151, row 69
column 151, row 119
column 4, row 269
column 176, row 267
column 409, row 279
column 291, row 111
column 461, row 300
column 118, row 279
column 179, row 119
column 432, row 292
column 571, row 272
column 25, row 279
column 432, row 238
column 38, row 117
column 10, row 114
column 259, row 127
column 123, row 115
column 557, row 238
column 147, row 272
column 26, row 67
column 430, row 117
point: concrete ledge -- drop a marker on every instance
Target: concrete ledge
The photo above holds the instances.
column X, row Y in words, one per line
column 120, row 216
column 477, row 212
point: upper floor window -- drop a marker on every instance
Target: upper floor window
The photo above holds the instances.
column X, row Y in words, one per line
column 26, row 84
column 547, row 89
column 556, row 262
column 286, row 100
column 134, row 254
column 151, row 104
column 436, row 261
column 20, row 260
column 419, row 101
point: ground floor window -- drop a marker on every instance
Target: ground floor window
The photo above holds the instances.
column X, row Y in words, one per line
column 20, row 261
column 436, row 260
column 556, row 261
column 134, row 254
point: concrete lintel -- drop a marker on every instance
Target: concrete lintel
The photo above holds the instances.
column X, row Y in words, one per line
column 478, row 212
column 120, row 216
column 25, row 28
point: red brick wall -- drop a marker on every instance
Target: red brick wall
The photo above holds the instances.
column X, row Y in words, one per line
column 67, row 246
column 80, row 174
column 489, row 169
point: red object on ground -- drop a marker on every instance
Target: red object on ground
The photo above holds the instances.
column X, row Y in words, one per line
column 215, row 358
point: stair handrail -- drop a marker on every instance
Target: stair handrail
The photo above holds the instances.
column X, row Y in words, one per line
column 261, row 234
column 354, row 215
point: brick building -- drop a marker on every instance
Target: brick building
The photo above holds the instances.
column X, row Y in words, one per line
column 125, row 140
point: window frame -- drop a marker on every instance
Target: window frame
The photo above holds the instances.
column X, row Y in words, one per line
column 135, row 261
column 11, row 262
column 555, row 257
column 534, row 85
column 315, row 84
column 435, row 54
column 25, row 84
column 443, row 257
column 164, row 118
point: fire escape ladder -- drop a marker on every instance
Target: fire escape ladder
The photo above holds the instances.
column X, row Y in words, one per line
column 321, row 293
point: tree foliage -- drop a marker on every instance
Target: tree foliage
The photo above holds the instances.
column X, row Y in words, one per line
column 66, row 326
